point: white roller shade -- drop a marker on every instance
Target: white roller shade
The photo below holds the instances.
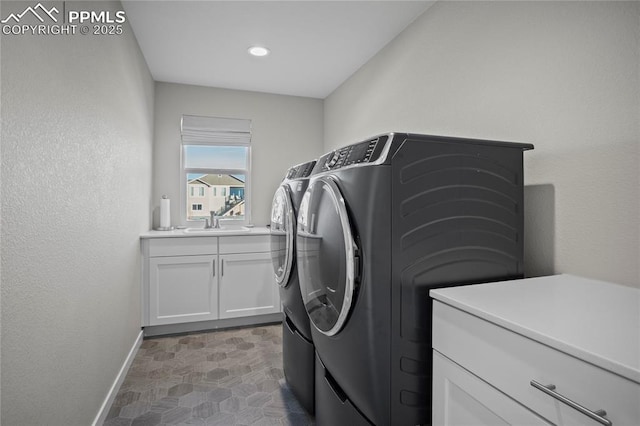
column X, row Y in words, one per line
column 214, row 130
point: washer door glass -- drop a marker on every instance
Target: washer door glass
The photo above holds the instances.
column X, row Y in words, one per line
column 326, row 256
column 282, row 235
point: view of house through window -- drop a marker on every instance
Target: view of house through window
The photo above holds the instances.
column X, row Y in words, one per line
column 220, row 193
column 216, row 181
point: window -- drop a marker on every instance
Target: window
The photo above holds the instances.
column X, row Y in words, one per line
column 215, row 167
column 195, row 191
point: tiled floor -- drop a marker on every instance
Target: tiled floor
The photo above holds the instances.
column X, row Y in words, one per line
column 230, row 377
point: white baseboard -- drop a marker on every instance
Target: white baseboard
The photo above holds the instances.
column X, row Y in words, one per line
column 113, row 391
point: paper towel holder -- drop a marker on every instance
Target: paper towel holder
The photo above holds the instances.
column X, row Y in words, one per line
column 164, row 228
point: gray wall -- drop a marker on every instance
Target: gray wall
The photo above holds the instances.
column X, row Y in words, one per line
column 285, row 130
column 77, row 127
column 564, row 76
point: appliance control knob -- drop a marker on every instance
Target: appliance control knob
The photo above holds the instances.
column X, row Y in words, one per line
column 334, row 159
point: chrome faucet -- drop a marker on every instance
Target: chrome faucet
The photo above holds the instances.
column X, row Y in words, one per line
column 214, row 222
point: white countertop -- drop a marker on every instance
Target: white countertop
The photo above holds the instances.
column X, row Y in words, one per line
column 595, row 321
column 180, row 233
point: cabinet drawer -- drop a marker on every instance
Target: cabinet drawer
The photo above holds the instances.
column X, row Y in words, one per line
column 509, row 362
column 182, row 246
column 245, row 244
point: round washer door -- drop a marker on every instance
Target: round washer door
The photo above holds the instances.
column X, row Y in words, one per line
column 283, row 231
column 327, row 256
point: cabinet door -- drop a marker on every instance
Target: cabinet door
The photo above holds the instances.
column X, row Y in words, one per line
column 182, row 289
column 246, row 285
column 461, row 398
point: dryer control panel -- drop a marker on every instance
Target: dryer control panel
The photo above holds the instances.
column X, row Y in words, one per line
column 358, row 153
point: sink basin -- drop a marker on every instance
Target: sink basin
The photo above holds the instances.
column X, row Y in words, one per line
column 216, row 231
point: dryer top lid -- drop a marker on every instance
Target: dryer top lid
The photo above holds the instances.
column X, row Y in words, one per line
column 378, row 150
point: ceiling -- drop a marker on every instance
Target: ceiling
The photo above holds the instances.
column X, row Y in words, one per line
column 315, row 45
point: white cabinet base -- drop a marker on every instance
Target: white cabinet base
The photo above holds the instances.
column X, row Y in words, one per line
column 219, row 324
column 202, row 283
column 509, row 362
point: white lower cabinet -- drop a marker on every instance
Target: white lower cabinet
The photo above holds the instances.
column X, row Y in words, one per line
column 182, row 289
column 194, row 279
column 247, row 286
column 486, row 374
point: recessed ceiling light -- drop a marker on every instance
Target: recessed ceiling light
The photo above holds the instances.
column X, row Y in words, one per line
column 258, row 51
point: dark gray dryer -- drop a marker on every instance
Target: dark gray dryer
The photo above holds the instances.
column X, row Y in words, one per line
column 297, row 346
column 383, row 222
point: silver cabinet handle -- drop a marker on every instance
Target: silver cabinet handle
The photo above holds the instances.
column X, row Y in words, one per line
column 213, row 268
column 222, row 267
column 597, row 415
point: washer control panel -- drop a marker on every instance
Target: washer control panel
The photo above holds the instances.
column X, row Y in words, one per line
column 301, row 170
column 359, row 153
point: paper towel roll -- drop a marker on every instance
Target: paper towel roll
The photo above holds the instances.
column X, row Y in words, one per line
column 165, row 212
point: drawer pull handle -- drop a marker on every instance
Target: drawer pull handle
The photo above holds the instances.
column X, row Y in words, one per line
column 597, row 415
